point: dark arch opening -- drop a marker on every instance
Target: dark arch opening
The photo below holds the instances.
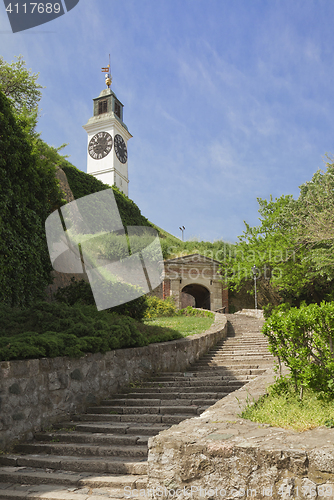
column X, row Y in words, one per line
column 200, row 294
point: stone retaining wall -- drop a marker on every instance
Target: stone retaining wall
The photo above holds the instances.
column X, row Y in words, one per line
column 219, row 455
column 36, row 393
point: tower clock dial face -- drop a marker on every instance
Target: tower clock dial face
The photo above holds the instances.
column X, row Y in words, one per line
column 100, row 145
column 120, row 148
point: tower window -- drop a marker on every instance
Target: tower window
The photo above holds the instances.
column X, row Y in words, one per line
column 117, row 109
column 103, row 107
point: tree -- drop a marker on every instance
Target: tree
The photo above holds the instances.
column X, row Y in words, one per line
column 314, row 213
column 293, row 246
column 20, row 85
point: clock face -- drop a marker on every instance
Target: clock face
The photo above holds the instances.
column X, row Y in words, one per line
column 120, row 148
column 100, row 145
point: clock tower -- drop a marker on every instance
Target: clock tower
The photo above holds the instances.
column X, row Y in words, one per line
column 107, row 154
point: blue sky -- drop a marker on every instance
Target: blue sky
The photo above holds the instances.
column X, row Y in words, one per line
column 227, row 100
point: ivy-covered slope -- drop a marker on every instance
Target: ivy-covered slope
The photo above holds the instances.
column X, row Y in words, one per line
column 28, row 190
column 83, row 184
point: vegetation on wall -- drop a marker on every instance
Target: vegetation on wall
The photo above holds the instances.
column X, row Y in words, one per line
column 28, row 191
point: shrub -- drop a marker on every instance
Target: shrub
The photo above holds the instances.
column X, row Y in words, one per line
column 303, row 339
column 191, row 311
column 81, row 292
column 158, row 307
column 57, row 329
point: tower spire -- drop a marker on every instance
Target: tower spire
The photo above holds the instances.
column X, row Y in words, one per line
column 108, row 77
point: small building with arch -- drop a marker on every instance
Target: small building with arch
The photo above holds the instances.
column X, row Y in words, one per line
column 195, row 280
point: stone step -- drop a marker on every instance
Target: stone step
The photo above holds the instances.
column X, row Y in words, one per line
column 233, row 348
column 239, row 360
column 186, row 400
column 235, row 353
column 101, row 465
column 184, row 395
column 24, row 475
column 81, row 450
column 256, row 354
column 134, row 410
column 221, row 364
column 236, row 359
column 255, row 371
column 199, row 383
column 241, row 341
column 189, row 373
column 110, row 427
column 95, row 438
column 237, row 375
column 143, row 418
column 55, row 492
column 201, row 378
column 192, row 389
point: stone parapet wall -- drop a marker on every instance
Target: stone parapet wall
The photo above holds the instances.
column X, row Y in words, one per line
column 219, row 455
column 38, row 392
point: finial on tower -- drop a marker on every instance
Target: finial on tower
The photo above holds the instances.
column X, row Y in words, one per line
column 108, row 77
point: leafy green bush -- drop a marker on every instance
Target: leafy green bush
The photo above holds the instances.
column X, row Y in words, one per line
column 269, row 309
column 81, row 292
column 158, row 307
column 304, row 339
column 57, row 329
column 191, row 311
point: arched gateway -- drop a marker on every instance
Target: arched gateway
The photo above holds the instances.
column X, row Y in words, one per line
column 198, row 295
column 194, row 280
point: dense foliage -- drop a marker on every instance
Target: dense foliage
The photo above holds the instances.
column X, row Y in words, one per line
column 20, row 85
column 28, row 190
column 304, row 340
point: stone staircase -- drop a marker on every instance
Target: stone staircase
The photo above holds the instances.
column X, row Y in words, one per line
column 99, row 454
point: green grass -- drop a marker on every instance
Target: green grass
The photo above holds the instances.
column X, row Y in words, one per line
column 282, row 407
column 185, row 325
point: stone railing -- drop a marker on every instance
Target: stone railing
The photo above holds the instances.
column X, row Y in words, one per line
column 38, row 392
column 220, row 455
